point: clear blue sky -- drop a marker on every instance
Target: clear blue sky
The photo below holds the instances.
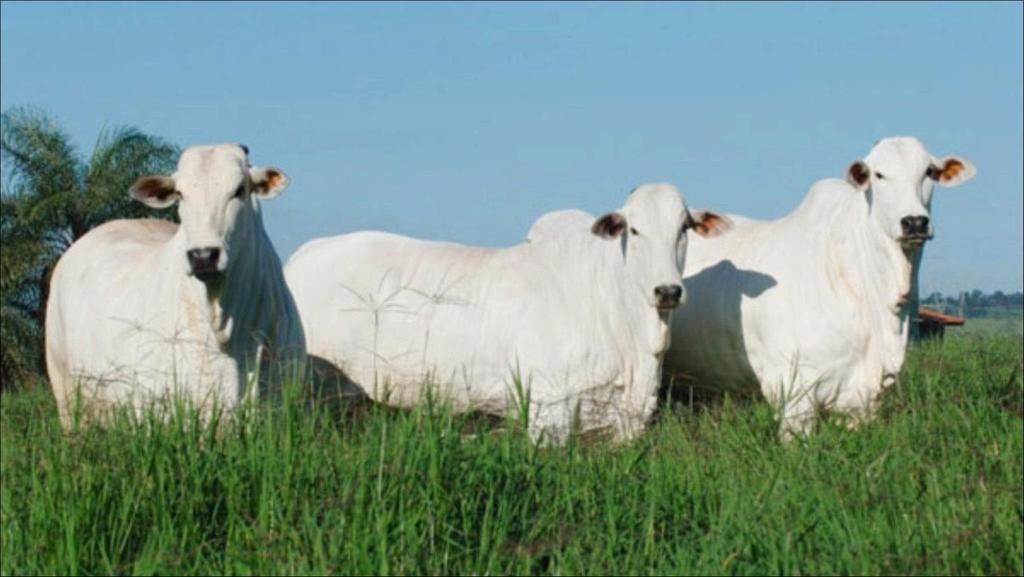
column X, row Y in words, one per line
column 467, row 121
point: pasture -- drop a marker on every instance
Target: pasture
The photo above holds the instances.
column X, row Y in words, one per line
column 933, row 486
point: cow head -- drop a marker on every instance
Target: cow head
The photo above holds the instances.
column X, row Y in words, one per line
column 898, row 177
column 216, row 192
column 651, row 228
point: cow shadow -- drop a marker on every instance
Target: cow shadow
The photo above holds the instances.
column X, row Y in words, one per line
column 723, row 287
column 348, row 404
column 331, row 389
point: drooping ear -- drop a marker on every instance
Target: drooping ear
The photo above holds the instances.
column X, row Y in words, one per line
column 267, row 182
column 709, row 224
column 951, row 171
column 859, row 175
column 154, row 191
column 610, row 225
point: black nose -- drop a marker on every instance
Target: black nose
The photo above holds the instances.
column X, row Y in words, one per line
column 914, row 225
column 204, row 261
column 668, row 294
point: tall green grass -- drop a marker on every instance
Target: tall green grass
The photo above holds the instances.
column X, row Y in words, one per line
column 932, row 486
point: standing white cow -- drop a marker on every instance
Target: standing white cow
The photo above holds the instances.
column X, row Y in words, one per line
column 814, row 307
column 146, row 310
column 577, row 314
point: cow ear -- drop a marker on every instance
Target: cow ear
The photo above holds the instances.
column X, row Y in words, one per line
column 709, row 224
column 155, row 191
column 859, row 175
column 268, row 182
column 609, row 225
column 951, row 171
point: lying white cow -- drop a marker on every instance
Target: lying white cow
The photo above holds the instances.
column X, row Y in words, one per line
column 147, row 310
column 813, row 307
column 577, row 314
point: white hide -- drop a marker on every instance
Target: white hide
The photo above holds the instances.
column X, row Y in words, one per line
column 813, row 308
column 129, row 324
column 568, row 313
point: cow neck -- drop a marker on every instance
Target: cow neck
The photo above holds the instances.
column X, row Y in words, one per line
column 228, row 309
column 649, row 338
column 883, row 266
column 647, row 331
column 881, row 274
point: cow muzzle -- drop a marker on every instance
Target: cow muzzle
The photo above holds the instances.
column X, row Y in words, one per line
column 916, row 230
column 205, row 263
column 668, row 297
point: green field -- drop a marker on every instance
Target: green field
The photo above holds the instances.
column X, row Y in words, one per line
column 934, row 485
column 989, row 326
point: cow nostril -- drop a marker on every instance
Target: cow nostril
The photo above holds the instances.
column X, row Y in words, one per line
column 914, row 225
column 669, row 292
column 203, row 256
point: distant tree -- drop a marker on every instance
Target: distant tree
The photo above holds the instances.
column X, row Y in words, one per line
column 51, row 198
column 975, row 297
column 998, row 299
column 18, row 264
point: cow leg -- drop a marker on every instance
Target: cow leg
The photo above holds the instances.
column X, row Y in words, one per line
column 62, row 392
column 860, row 403
column 550, row 424
column 632, row 420
column 794, row 402
column 797, row 418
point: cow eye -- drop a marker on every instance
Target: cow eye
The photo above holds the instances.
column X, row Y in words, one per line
column 932, row 172
column 879, row 176
column 633, row 231
column 240, row 191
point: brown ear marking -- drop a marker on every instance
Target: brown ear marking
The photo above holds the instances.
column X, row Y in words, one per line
column 950, row 170
column 709, row 224
column 859, row 173
column 273, row 180
column 609, row 225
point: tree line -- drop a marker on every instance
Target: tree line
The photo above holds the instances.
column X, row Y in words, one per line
column 978, row 304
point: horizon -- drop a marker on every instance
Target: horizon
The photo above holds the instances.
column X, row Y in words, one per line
column 466, row 122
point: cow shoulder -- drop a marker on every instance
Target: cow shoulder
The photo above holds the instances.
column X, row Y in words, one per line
column 140, row 231
column 121, row 241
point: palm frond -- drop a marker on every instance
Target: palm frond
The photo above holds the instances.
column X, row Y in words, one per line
column 120, row 157
column 38, row 152
column 20, row 354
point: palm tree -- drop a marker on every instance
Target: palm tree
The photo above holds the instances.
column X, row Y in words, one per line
column 18, row 330
column 51, row 199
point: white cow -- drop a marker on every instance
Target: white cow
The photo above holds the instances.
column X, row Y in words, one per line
column 814, row 307
column 577, row 315
column 146, row 310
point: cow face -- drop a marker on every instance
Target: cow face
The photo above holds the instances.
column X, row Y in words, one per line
column 651, row 228
column 216, row 192
column 898, row 177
